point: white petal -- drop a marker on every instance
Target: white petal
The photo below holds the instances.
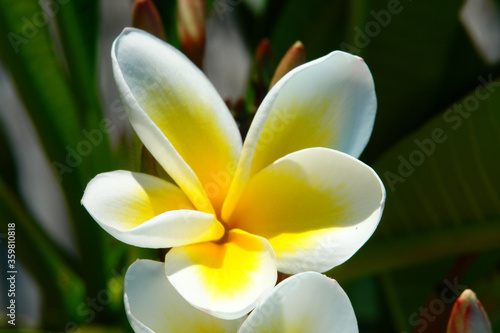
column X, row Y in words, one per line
column 178, row 115
column 316, row 207
column 329, row 102
column 147, row 211
column 225, row 279
column 153, row 305
column 306, row 302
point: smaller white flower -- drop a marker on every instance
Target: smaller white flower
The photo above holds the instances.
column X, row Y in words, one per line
column 305, row 302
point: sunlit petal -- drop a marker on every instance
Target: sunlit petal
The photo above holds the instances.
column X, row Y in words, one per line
column 147, row 211
column 153, row 304
column 306, row 302
column 224, row 279
column 178, row 115
column 329, row 102
column 316, row 207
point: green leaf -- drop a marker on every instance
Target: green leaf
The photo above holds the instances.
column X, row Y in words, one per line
column 27, row 50
column 167, row 10
column 307, row 21
column 419, row 290
column 78, row 31
column 49, row 265
column 418, row 68
column 443, row 190
column 420, row 58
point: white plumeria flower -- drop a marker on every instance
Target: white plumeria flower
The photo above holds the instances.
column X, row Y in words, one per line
column 306, row 302
column 284, row 200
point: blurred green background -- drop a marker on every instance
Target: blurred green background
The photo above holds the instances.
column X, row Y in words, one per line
column 435, row 144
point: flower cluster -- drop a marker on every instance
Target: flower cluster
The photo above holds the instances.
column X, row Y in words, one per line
column 293, row 197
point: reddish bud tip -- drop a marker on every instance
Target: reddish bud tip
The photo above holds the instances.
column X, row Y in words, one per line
column 145, row 16
column 263, row 53
column 295, row 56
column 468, row 315
column 191, row 28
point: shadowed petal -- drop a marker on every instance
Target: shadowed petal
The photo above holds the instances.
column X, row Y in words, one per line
column 153, row 304
column 306, row 302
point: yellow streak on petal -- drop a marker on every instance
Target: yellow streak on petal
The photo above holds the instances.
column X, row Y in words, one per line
column 305, row 202
column 226, row 277
column 199, row 327
column 289, row 244
column 151, row 202
column 127, row 199
column 197, row 138
column 226, row 269
column 294, row 125
column 285, row 200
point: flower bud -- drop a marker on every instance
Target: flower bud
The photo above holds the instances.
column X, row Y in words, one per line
column 468, row 315
column 263, row 55
column 295, row 56
column 145, row 16
column 191, row 28
column 261, row 72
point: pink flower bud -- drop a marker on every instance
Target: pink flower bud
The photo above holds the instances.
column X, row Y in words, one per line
column 468, row 315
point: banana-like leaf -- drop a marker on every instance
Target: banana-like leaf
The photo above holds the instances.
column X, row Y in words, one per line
column 307, row 21
column 78, row 28
column 53, row 271
column 443, row 189
column 27, row 50
column 421, row 60
column 28, row 53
